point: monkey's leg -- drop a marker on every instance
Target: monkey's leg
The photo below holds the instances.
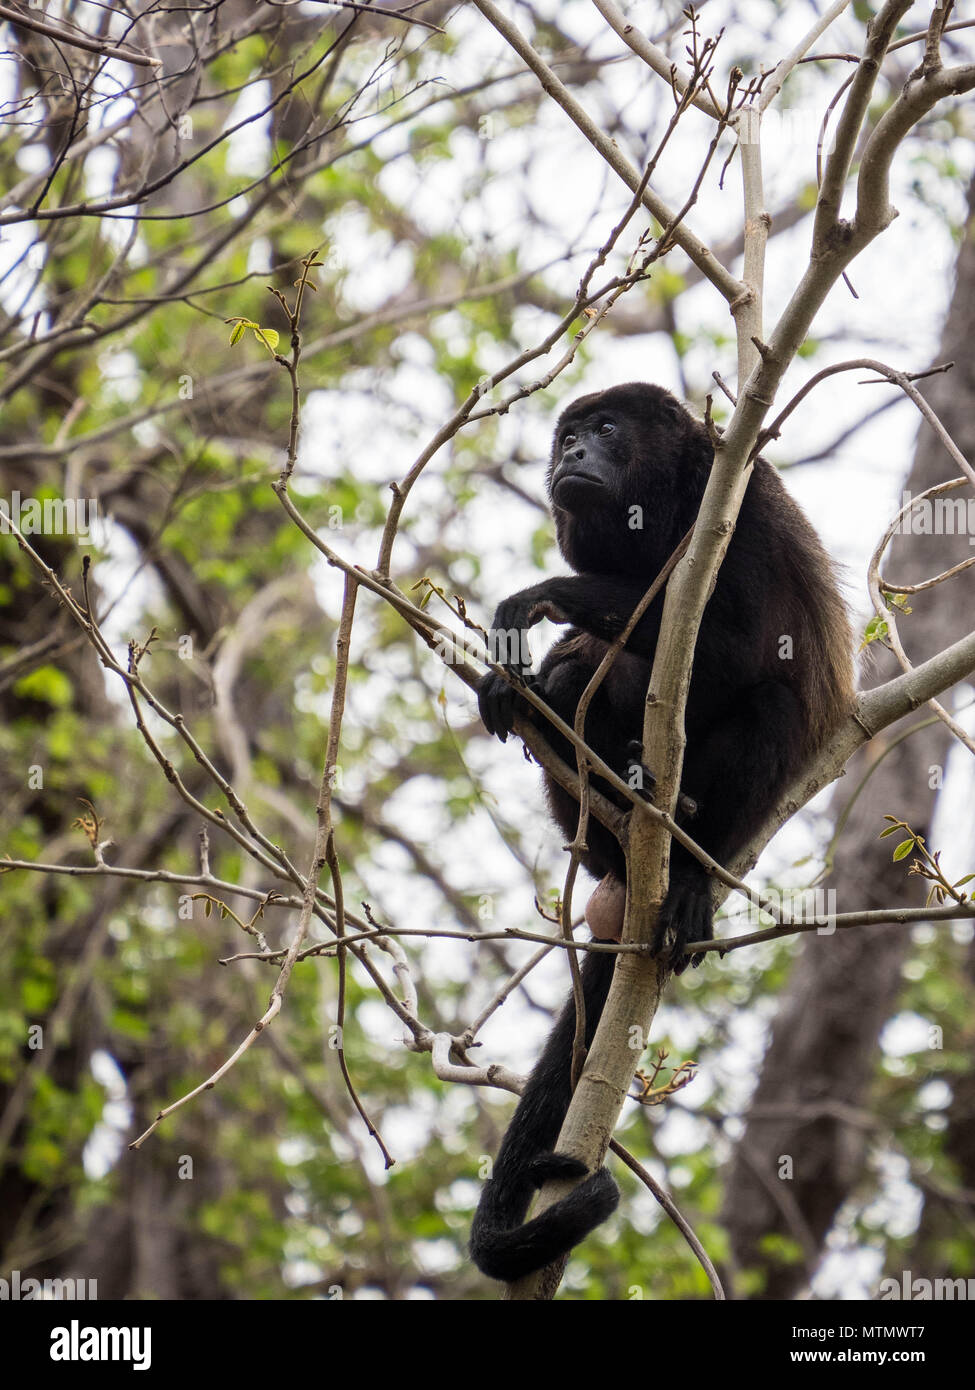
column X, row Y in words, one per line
column 735, row 774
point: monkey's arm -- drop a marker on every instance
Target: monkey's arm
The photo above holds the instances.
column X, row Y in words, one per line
column 600, row 604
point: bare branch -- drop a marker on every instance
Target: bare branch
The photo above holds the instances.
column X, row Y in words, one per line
column 774, row 84
column 702, row 256
column 76, row 38
column 654, row 57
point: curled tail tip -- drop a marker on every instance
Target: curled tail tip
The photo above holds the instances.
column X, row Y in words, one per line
column 604, row 1192
column 512, row 1254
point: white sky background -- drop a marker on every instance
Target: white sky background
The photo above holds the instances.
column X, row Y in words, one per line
column 903, row 282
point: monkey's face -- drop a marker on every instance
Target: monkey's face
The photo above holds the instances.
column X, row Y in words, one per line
column 589, row 459
column 618, row 456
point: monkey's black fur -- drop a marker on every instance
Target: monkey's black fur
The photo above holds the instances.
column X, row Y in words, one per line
column 771, row 676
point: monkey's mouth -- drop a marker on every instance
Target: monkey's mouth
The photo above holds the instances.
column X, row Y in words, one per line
column 571, row 488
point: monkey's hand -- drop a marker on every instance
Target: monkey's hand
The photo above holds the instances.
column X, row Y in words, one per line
column 686, row 915
column 497, row 698
column 508, row 634
column 498, row 701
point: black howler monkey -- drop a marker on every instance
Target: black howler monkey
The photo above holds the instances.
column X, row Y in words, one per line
column 772, row 674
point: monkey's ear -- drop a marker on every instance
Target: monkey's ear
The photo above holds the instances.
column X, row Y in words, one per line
column 673, row 408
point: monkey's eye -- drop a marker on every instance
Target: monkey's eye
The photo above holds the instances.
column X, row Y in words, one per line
column 607, row 427
column 568, row 441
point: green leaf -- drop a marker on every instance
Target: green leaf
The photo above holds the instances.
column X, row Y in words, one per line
column 903, row 850
column 898, row 601
column 875, row 630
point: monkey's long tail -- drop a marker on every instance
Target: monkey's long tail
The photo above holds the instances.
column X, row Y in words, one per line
column 500, row 1245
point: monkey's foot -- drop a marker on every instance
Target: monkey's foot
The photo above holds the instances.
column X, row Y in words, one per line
column 686, row 916
column 636, row 773
column 638, row 776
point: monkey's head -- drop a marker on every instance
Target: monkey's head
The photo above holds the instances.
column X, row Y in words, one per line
column 628, row 468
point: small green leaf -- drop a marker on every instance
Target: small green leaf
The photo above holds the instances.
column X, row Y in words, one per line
column 875, row 630
column 899, row 601
column 891, row 830
column 237, row 334
column 903, row 850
